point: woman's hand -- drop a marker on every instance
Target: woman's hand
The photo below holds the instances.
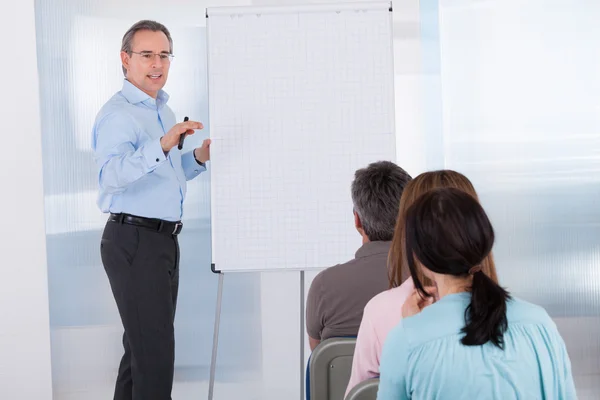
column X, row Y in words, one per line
column 417, row 302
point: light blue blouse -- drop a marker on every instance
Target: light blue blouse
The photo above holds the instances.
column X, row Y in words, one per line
column 423, row 358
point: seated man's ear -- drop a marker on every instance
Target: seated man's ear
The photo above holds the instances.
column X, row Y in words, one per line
column 357, row 222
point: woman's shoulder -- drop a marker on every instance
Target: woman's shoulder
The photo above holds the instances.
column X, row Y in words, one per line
column 391, row 297
column 384, row 311
column 519, row 311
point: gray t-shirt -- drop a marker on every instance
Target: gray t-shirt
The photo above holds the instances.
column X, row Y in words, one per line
column 338, row 295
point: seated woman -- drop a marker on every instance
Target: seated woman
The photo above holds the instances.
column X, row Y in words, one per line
column 384, row 311
column 475, row 342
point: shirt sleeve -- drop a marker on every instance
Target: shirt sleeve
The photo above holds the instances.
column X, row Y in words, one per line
column 570, row 392
column 394, row 365
column 314, row 310
column 365, row 363
column 565, row 373
column 118, row 161
column 191, row 168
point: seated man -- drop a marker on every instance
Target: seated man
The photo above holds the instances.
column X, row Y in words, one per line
column 338, row 295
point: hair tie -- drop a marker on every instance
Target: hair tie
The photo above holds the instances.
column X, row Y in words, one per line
column 475, row 270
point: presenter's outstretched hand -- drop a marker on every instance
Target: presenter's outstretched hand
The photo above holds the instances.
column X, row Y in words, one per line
column 202, row 153
column 171, row 138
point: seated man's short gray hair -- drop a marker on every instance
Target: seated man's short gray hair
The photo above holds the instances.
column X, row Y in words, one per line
column 376, row 193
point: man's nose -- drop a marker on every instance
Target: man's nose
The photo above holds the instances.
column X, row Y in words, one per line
column 157, row 61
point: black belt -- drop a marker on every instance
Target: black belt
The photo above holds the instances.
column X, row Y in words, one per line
column 157, row 225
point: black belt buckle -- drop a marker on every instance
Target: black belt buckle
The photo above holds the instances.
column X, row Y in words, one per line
column 177, row 228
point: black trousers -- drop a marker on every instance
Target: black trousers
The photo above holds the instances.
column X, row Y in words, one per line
column 143, row 270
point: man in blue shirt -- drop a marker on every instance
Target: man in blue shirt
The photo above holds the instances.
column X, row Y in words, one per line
column 142, row 184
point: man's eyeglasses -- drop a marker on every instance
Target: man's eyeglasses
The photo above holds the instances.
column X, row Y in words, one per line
column 149, row 56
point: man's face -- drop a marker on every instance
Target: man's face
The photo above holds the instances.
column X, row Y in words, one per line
column 145, row 69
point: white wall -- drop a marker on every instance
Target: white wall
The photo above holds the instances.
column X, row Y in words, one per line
column 24, row 328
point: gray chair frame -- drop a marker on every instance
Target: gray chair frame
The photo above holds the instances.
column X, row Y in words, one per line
column 366, row 390
column 329, row 368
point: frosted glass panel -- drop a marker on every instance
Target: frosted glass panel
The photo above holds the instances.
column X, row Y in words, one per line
column 520, row 90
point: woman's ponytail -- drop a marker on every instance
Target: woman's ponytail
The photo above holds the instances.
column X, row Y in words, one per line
column 485, row 317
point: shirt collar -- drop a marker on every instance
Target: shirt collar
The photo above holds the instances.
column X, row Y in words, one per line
column 372, row 248
column 135, row 95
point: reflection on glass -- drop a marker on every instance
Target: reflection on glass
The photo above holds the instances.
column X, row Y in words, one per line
column 519, row 91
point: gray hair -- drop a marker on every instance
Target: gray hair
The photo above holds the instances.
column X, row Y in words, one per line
column 144, row 25
column 376, row 192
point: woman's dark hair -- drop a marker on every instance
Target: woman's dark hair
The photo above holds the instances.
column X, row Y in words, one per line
column 448, row 232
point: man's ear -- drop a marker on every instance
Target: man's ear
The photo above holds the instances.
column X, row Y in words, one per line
column 357, row 221
column 125, row 60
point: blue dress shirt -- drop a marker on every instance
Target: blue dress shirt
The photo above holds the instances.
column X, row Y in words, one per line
column 134, row 175
column 423, row 358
